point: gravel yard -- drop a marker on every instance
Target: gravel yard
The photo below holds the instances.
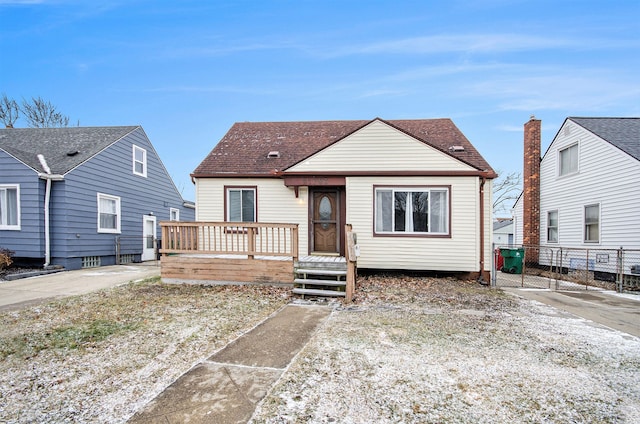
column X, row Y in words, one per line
column 408, row 350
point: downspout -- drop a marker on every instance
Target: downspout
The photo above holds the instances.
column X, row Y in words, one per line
column 482, row 229
column 47, row 198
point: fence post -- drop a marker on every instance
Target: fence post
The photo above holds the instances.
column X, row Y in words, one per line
column 586, row 273
column 493, row 266
column 524, row 264
column 620, row 270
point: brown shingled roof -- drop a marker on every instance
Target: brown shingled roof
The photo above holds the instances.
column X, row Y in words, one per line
column 244, row 149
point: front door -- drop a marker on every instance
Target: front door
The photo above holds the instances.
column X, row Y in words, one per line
column 148, row 238
column 325, row 222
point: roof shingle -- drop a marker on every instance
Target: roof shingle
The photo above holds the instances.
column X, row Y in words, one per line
column 63, row 148
column 244, row 149
column 624, row 133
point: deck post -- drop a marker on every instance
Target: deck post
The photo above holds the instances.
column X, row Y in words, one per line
column 351, row 258
column 251, row 242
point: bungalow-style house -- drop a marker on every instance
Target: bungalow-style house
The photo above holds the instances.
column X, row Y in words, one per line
column 583, row 193
column 416, row 192
column 75, row 196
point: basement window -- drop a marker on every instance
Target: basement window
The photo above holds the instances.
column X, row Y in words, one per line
column 91, row 261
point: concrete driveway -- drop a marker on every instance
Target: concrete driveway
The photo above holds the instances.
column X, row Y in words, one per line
column 17, row 294
column 620, row 312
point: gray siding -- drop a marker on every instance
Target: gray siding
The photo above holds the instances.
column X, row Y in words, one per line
column 28, row 241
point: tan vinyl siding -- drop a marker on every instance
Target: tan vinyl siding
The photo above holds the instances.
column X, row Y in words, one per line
column 458, row 253
column 382, row 148
column 276, row 203
column 606, row 176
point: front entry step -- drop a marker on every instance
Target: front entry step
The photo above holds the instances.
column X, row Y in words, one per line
column 318, row 292
column 317, row 276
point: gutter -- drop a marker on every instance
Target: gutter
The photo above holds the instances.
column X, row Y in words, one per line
column 482, row 229
column 49, row 177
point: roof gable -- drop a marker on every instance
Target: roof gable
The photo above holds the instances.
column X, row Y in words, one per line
column 623, row 133
column 63, row 148
column 244, row 150
column 382, row 147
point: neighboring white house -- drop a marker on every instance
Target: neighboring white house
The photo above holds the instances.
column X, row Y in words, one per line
column 503, row 232
column 416, row 192
column 589, row 186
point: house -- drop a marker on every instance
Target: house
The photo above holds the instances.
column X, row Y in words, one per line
column 583, row 193
column 416, row 192
column 503, row 232
column 72, row 196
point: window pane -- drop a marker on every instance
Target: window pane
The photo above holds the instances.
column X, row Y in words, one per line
column 569, row 160
column 592, row 223
column 9, row 206
column 235, row 206
column 552, row 226
column 248, row 206
column 139, row 167
column 384, row 213
column 591, row 214
column 420, row 204
column 400, row 207
column 439, row 215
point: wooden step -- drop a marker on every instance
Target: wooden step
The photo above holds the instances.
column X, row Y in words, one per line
column 321, row 265
column 309, row 282
column 316, row 292
column 333, row 272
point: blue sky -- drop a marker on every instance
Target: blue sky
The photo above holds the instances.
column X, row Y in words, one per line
column 187, row 70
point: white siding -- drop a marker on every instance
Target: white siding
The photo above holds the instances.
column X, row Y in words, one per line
column 606, row 176
column 382, row 148
column 276, row 203
column 458, row 253
column 518, row 218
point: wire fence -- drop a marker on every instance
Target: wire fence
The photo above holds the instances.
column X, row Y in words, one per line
column 566, row 268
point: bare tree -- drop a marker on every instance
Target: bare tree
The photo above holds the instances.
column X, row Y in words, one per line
column 9, row 111
column 506, row 189
column 40, row 113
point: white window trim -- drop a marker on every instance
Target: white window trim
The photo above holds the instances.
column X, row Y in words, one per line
column 584, row 224
column 228, row 202
column 171, row 212
column 16, row 227
column 557, row 240
column 143, row 162
column 429, row 189
column 577, row 146
column 118, row 211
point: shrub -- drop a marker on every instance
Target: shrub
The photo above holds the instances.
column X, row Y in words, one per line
column 5, row 258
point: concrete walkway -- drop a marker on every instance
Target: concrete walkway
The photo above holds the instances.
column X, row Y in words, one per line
column 24, row 292
column 603, row 307
column 226, row 387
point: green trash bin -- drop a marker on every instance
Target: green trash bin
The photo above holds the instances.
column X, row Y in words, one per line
column 513, row 258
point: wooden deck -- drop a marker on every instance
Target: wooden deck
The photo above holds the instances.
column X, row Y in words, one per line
column 240, row 253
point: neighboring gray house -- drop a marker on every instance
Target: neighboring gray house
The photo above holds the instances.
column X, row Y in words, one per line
column 67, row 195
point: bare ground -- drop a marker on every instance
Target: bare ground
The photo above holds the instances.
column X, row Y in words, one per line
column 408, row 350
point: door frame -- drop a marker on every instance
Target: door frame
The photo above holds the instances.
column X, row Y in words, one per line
column 148, row 254
column 341, row 214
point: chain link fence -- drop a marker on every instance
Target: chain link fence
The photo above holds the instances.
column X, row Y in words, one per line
column 566, row 268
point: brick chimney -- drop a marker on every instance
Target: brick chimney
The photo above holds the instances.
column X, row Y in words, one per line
column 531, row 183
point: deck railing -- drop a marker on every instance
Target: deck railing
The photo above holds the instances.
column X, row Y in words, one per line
column 235, row 238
